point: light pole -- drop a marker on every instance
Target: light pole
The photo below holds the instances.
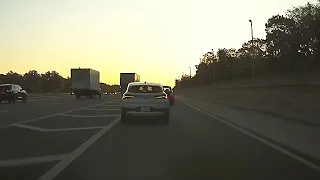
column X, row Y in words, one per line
column 190, row 71
column 252, row 63
column 213, row 65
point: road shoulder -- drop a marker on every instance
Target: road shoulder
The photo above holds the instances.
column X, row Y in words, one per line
column 295, row 137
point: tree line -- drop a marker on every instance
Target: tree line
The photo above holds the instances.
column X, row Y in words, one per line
column 50, row 81
column 291, row 46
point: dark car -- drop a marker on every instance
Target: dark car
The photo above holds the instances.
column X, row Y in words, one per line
column 169, row 92
column 12, row 93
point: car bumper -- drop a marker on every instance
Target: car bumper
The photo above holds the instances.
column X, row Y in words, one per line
column 5, row 96
column 159, row 105
column 156, row 109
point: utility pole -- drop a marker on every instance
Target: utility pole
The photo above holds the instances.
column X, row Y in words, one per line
column 213, row 66
column 252, row 55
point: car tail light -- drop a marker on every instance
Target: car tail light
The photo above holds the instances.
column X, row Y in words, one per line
column 128, row 97
column 9, row 90
column 164, row 96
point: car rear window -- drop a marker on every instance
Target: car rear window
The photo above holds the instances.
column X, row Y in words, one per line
column 167, row 88
column 145, row 89
column 4, row 88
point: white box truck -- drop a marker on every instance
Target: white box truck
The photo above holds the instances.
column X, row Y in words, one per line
column 85, row 82
column 126, row 78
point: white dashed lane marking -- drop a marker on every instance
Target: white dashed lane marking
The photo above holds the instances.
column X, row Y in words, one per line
column 3, row 111
column 54, row 104
column 34, row 160
column 51, row 174
column 110, row 105
column 97, row 109
column 78, row 116
column 52, row 115
column 56, row 130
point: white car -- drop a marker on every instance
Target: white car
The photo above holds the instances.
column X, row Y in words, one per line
column 145, row 99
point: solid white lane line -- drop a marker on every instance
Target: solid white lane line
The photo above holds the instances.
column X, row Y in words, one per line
column 30, row 127
column 51, row 174
column 33, row 160
column 110, row 105
column 96, row 109
column 52, row 115
column 265, row 141
column 71, row 115
column 48, row 98
column 2, row 111
column 56, row 130
column 75, row 129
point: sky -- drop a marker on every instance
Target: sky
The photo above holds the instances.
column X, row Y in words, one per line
column 157, row 39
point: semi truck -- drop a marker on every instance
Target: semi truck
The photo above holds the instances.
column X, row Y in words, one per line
column 85, row 82
column 126, row 78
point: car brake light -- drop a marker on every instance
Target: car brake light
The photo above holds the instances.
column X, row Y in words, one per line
column 128, row 97
column 162, row 97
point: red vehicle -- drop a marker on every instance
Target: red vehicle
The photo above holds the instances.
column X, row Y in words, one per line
column 168, row 90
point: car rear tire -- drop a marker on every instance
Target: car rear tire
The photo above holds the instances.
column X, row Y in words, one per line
column 24, row 98
column 14, row 98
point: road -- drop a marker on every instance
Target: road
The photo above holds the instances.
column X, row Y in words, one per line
column 63, row 138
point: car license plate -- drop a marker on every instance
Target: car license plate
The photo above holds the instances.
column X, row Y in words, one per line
column 145, row 109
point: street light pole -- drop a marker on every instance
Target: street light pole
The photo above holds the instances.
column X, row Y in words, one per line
column 252, row 58
column 190, row 71
column 213, row 66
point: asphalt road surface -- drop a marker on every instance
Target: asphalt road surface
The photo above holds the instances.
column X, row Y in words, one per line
column 63, row 138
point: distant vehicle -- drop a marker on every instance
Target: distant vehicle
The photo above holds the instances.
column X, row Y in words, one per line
column 71, row 92
column 85, row 82
column 145, row 99
column 169, row 92
column 12, row 93
column 126, row 78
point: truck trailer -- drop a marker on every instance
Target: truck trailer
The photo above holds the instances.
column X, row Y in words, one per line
column 85, row 82
column 126, row 78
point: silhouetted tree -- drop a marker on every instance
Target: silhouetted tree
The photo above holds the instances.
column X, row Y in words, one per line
column 292, row 45
column 50, row 81
column 32, row 81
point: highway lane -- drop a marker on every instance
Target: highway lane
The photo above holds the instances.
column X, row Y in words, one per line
column 192, row 146
column 40, row 107
column 31, row 147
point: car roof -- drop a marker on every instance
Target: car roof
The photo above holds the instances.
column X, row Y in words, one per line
column 7, row 84
column 145, row 83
